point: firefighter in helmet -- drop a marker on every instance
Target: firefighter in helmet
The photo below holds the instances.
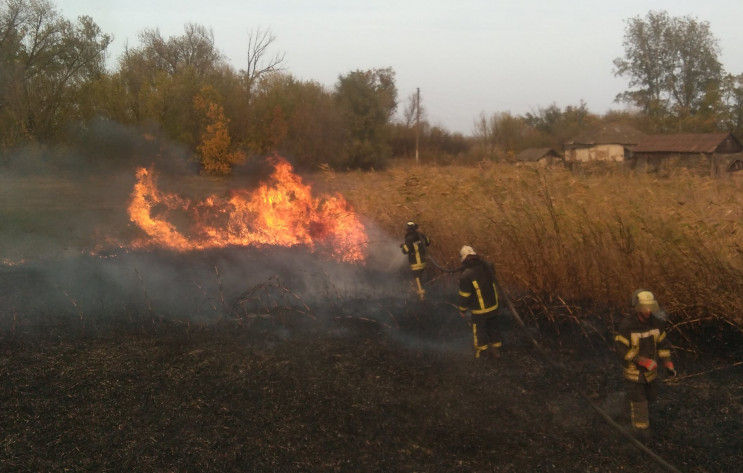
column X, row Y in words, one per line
column 642, row 344
column 415, row 248
column 478, row 294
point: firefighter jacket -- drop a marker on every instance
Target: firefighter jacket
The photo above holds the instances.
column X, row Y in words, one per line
column 638, row 341
column 477, row 291
column 415, row 247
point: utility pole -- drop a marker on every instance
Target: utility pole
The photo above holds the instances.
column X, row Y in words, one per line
column 417, row 121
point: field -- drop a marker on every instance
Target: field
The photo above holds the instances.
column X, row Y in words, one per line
column 280, row 359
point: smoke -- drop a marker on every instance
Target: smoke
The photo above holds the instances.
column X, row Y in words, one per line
column 63, row 250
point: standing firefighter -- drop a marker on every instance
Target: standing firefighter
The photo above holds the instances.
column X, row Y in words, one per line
column 642, row 344
column 415, row 247
column 478, row 294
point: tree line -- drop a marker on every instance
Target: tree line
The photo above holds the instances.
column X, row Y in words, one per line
column 53, row 78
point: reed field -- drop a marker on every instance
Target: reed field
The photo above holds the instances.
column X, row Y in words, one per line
column 565, row 244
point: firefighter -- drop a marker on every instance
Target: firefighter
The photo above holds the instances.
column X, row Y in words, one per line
column 478, row 294
column 415, row 248
column 642, row 344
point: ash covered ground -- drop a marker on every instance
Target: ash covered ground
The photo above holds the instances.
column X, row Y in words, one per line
column 281, row 360
column 255, row 360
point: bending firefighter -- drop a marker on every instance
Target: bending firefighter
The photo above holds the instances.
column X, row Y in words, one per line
column 642, row 344
column 478, row 294
column 415, row 248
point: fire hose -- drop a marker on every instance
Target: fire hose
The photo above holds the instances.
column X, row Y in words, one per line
column 561, row 371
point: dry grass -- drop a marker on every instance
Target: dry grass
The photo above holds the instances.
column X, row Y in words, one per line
column 569, row 243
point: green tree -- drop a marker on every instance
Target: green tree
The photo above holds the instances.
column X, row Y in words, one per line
column 555, row 126
column 45, row 63
column 672, row 64
column 163, row 76
column 297, row 119
column 732, row 98
column 368, row 100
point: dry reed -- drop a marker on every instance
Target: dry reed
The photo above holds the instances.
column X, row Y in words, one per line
column 590, row 240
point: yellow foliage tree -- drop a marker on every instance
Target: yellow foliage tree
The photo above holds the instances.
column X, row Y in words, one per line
column 214, row 149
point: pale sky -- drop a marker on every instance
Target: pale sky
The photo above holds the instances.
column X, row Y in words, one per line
column 467, row 56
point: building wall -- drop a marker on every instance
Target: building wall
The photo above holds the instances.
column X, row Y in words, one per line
column 612, row 153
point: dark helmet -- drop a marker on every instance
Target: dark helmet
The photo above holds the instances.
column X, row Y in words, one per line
column 411, row 226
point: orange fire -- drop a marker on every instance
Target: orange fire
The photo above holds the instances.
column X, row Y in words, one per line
column 282, row 212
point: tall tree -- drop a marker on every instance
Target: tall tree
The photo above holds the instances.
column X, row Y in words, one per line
column 501, row 134
column 368, row 99
column 671, row 63
column 163, row 76
column 732, row 98
column 259, row 64
column 45, row 60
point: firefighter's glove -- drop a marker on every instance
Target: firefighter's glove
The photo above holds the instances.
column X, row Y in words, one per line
column 463, row 314
column 671, row 370
column 647, row 363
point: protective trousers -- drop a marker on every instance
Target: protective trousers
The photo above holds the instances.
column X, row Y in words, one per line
column 487, row 337
column 639, row 396
column 418, row 277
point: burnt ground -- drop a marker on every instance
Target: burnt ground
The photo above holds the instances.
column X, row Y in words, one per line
column 373, row 385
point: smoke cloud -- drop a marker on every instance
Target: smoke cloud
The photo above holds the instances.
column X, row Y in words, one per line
column 63, row 250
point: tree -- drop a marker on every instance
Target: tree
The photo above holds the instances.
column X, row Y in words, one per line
column 556, row 126
column 732, row 98
column 215, row 149
column 194, row 49
column 502, row 134
column 671, row 63
column 367, row 99
column 45, row 61
column 163, row 76
column 299, row 120
column 258, row 64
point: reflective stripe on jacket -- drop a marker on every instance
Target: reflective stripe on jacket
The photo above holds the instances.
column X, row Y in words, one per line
column 637, row 339
column 415, row 247
column 477, row 291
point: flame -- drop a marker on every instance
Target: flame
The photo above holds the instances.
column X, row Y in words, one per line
column 281, row 212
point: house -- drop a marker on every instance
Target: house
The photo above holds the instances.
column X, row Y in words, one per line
column 540, row 156
column 608, row 142
column 707, row 152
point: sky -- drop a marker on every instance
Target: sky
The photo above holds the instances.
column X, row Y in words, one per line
column 468, row 57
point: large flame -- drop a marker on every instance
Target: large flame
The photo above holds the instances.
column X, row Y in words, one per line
column 281, row 212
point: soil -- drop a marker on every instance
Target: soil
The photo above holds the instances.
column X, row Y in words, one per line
column 377, row 385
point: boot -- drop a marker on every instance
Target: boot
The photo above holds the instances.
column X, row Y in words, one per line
column 493, row 353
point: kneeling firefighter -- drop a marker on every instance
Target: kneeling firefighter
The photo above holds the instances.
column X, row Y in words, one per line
column 415, row 248
column 642, row 344
column 478, row 294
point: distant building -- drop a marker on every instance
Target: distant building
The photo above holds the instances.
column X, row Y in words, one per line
column 610, row 142
column 713, row 153
column 540, row 156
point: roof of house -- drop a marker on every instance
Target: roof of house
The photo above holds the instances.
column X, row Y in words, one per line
column 535, row 154
column 609, row 133
column 682, row 143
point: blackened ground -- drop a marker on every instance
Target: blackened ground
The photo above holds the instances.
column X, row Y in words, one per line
column 349, row 395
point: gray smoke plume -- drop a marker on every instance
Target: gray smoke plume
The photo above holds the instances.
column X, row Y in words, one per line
column 63, row 251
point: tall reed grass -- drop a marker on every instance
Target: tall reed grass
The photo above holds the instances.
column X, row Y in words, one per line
column 566, row 244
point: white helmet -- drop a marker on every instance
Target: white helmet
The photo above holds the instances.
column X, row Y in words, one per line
column 644, row 299
column 466, row 251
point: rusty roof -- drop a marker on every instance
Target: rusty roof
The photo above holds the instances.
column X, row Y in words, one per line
column 535, row 154
column 609, row 134
column 682, row 143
